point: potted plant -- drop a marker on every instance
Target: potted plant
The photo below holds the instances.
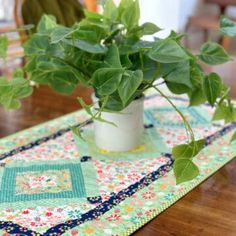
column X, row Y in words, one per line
column 106, row 51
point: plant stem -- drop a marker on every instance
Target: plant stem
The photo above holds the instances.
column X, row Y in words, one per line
column 141, row 60
column 188, row 128
column 163, row 82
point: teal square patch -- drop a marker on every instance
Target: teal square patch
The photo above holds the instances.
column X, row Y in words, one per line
column 163, row 116
column 151, row 146
column 38, row 182
column 51, row 181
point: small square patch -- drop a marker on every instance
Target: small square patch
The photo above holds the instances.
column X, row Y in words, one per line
column 163, row 116
column 36, row 182
column 51, row 181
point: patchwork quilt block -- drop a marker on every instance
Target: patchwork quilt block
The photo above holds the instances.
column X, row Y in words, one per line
column 52, row 183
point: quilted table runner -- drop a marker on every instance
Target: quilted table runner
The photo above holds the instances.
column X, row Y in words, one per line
column 54, row 184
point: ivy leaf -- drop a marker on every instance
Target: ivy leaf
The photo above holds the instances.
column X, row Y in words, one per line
column 18, row 73
column 174, row 84
column 110, row 10
column 77, row 132
column 225, row 112
column 125, row 61
column 60, row 33
column 11, row 91
column 47, row 23
column 106, row 80
column 85, row 46
column 122, row 7
column 177, row 88
column 167, row 51
column 149, row 67
column 59, row 75
column 114, row 103
column 3, row 46
column 212, row 86
column 233, row 138
column 213, row 54
column 151, row 70
column 180, row 74
column 197, row 75
column 227, row 26
column 93, row 15
column 87, row 34
column 197, row 97
column 10, row 103
column 130, row 14
column 36, row 45
column 175, row 36
column 185, row 170
column 88, row 108
column 91, row 32
column 147, row 28
column 142, row 45
column 39, row 47
column 188, row 150
column 130, row 82
column 129, row 46
column 113, row 57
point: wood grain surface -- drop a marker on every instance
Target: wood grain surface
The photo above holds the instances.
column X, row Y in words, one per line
column 210, row 209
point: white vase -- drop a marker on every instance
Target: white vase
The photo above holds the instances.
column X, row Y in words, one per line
column 127, row 134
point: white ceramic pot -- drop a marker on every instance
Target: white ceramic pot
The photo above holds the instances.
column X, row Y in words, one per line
column 127, row 134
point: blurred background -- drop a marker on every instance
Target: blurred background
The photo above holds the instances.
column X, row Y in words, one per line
column 198, row 18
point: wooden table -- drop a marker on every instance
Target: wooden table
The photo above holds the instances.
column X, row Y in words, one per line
column 209, row 209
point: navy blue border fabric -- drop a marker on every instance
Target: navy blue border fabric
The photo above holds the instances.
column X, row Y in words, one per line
column 114, row 200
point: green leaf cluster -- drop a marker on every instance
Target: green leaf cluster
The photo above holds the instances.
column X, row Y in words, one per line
column 3, row 46
column 11, row 91
column 213, row 54
column 227, row 26
column 107, row 52
column 184, row 167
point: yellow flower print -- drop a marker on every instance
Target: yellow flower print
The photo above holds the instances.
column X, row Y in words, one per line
column 77, row 155
column 129, row 209
column 36, row 234
column 103, row 151
column 120, row 176
column 10, row 218
column 89, row 230
column 162, row 186
column 140, row 148
column 111, row 187
column 8, row 161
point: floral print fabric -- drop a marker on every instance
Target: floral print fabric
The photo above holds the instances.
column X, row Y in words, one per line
column 109, row 194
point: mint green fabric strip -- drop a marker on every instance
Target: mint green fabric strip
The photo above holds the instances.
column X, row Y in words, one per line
column 127, row 227
column 43, row 202
column 89, row 174
column 1, row 174
column 39, row 131
column 22, row 163
column 152, row 144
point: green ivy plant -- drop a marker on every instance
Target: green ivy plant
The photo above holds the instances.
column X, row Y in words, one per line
column 106, row 51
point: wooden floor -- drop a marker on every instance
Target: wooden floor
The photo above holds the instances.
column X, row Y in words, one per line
column 210, row 209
